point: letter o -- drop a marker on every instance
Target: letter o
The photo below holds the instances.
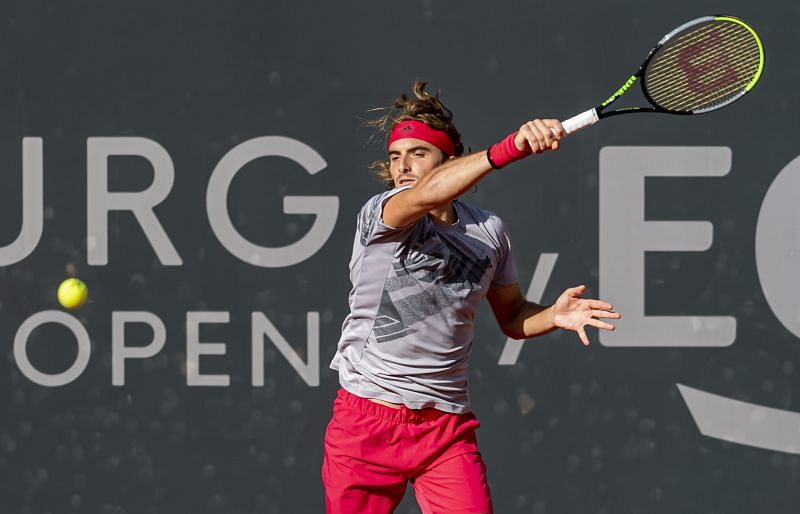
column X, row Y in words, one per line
column 21, row 343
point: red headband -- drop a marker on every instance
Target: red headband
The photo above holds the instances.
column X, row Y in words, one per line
column 419, row 130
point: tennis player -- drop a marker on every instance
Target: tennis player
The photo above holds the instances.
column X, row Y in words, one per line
column 422, row 261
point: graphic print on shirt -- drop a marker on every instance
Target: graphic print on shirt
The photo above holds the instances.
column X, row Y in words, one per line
column 367, row 219
column 433, row 276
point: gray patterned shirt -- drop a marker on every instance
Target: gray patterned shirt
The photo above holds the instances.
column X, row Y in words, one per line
column 415, row 294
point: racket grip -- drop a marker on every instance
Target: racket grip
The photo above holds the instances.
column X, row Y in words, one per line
column 580, row 121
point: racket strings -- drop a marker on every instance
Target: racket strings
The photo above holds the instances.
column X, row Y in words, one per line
column 707, row 66
column 670, row 48
column 679, row 91
column 671, row 96
column 658, row 69
column 705, row 58
column 660, row 78
column 680, row 100
column 715, row 98
column 670, row 93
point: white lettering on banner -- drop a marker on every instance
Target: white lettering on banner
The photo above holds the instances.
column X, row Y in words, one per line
column 100, row 201
column 261, row 327
column 194, row 348
column 32, row 204
column 541, row 274
column 120, row 352
column 741, row 422
column 21, row 348
column 325, row 208
column 625, row 236
column 778, row 246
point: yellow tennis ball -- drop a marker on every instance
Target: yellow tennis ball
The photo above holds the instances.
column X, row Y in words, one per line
column 72, row 293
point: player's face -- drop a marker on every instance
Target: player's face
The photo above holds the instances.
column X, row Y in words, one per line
column 411, row 159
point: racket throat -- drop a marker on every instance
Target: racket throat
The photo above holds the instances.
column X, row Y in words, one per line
column 626, row 86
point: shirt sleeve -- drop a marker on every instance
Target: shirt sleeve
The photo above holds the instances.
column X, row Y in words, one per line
column 370, row 226
column 506, row 273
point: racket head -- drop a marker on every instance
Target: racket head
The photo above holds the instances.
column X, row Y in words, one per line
column 703, row 65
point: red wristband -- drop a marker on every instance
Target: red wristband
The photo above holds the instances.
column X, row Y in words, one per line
column 505, row 152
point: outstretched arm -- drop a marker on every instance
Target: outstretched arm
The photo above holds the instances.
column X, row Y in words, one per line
column 454, row 177
column 521, row 319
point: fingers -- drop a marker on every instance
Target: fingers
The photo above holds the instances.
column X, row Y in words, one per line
column 556, row 128
column 542, row 135
column 599, row 304
column 601, row 324
column 576, row 291
column 533, row 136
column 583, row 336
column 544, row 130
column 596, row 323
column 605, row 314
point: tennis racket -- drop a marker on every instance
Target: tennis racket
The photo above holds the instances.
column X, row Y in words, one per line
column 701, row 66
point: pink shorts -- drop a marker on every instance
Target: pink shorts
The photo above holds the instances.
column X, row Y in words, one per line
column 372, row 451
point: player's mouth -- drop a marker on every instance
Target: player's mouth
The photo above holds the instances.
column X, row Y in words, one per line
column 406, row 181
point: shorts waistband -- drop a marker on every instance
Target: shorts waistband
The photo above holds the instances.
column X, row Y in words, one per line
column 401, row 415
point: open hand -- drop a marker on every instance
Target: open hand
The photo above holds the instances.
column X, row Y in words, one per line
column 572, row 312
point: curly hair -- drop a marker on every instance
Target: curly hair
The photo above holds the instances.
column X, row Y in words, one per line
column 426, row 108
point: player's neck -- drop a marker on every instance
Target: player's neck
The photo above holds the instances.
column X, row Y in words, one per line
column 445, row 215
